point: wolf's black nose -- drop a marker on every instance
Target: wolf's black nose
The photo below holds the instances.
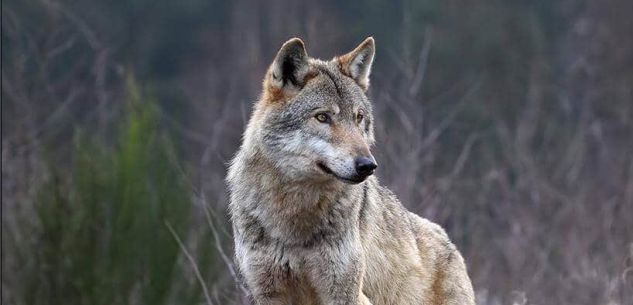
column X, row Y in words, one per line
column 365, row 166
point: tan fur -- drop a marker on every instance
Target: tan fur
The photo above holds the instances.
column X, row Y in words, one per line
column 275, row 95
column 304, row 235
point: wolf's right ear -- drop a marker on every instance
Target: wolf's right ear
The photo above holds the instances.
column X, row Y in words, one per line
column 357, row 63
column 290, row 66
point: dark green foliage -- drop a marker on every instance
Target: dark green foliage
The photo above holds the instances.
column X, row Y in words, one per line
column 100, row 234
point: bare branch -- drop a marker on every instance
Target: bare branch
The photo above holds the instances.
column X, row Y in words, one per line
column 227, row 261
column 418, row 79
column 191, row 261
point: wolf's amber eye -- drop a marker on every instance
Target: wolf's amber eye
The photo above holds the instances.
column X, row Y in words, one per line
column 360, row 116
column 322, row 117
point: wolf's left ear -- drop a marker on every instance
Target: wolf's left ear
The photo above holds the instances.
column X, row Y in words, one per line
column 290, row 66
column 357, row 63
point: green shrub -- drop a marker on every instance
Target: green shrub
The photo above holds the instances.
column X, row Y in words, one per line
column 100, row 234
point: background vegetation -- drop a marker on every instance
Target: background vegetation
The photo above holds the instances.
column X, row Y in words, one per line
column 508, row 122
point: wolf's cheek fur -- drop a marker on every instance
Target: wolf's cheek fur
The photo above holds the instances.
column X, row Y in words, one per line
column 301, row 152
column 335, row 159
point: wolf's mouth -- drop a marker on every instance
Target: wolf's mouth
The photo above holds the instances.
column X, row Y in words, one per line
column 327, row 170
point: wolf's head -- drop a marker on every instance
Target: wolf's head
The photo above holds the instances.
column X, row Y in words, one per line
column 314, row 120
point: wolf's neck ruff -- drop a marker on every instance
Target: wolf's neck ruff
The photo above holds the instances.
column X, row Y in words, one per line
column 303, row 211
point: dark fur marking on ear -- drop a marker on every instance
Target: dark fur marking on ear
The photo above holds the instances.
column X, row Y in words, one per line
column 288, row 68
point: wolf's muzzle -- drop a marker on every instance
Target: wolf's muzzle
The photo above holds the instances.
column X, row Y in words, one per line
column 365, row 166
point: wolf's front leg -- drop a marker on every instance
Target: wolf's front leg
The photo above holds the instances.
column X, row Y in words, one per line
column 262, row 275
column 265, row 291
column 336, row 272
column 455, row 285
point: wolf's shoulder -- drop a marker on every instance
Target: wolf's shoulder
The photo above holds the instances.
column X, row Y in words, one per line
column 384, row 196
column 432, row 238
column 427, row 233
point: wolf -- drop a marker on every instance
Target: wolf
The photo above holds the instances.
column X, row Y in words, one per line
column 311, row 224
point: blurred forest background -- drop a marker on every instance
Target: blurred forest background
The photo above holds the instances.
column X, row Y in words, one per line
column 510, row 123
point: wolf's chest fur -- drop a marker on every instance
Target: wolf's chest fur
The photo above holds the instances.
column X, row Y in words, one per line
column 282, row 230
column 297, row 216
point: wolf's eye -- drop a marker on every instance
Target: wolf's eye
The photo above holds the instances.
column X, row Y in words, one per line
column 360, row 116
column 322, row 117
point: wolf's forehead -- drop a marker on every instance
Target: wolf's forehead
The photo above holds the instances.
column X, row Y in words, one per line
column 339, row 88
